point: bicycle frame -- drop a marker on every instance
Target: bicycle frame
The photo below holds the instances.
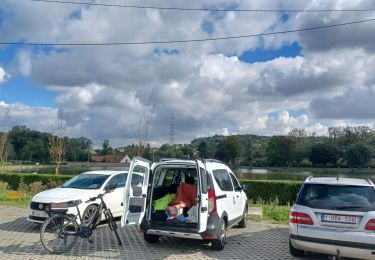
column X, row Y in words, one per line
column 85, row 231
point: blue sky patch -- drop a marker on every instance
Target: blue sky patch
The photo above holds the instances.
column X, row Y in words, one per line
column 284, row 18
column 7, row 54
column 208, row 26
column 19, row 90
column 292, row 113
column 76, row 15
column 159, row 52
column 262, row 55
column 220, row 15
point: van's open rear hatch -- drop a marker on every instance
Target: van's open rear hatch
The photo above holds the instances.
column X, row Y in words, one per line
column 166, row 180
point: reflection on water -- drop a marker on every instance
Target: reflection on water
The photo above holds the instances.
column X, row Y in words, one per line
column 65, row 170
column 301, row 174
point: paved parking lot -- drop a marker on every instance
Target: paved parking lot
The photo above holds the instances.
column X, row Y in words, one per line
column 19, row 239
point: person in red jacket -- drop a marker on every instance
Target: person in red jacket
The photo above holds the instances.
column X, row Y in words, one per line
column 186, row 194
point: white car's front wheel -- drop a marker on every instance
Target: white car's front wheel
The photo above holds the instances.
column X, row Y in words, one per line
column 89, row 213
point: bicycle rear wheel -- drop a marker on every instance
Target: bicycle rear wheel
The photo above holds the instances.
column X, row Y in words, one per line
column 59, row 233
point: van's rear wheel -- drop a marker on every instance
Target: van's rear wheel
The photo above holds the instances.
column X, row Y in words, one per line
column 294, row 251
column 219, row 243
column 152, row 239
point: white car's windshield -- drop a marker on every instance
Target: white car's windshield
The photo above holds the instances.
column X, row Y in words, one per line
column 86, row 181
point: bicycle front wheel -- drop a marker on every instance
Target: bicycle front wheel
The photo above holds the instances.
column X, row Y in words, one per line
column 59, row 233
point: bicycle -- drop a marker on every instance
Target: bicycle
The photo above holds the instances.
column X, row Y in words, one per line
column 60, row 231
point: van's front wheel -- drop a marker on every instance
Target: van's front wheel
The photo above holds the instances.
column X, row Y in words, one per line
column 243, row 222
column 152, row 239
column 219, row 243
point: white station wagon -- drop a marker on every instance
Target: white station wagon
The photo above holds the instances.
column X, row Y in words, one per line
column 81, row 187
column 334, row 216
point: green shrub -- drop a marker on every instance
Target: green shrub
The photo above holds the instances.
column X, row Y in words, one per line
column 279, row 214
column 48, row 180
column 23, row 186
column 3, row 186
column 36, row 187
column 269, row 191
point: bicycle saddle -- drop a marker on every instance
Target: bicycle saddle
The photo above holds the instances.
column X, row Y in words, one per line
column 73, row 203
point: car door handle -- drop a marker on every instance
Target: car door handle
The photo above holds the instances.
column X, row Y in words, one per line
column 143, row 195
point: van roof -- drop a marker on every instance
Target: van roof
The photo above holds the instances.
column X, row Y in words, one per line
column 339, row 181
column 210, row 163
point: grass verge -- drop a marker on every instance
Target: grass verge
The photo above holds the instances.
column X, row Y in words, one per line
column 273, row 213
column 276, row 214
column 23, row 203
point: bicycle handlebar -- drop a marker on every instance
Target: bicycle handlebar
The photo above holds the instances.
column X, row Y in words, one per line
column 99, row 196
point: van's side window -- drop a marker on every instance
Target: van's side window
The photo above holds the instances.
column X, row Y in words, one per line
column 236, row 184
column 223, row 180
column 138, row 175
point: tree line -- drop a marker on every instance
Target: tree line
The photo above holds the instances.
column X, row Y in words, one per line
column 29, row 145
column 342, row 147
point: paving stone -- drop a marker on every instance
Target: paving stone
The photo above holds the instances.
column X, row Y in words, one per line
column 19, row 239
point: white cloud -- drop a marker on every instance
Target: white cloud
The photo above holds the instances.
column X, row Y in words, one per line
column 39, row 118
column 3, row 75
column 102, row 90
column 225, row 131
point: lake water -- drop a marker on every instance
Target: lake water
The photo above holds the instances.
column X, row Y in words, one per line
column 301, row 174
column 243, row 173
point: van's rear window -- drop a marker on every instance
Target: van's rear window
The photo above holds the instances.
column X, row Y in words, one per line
column 337, row 197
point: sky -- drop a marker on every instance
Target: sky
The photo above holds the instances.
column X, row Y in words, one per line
column 264, row 85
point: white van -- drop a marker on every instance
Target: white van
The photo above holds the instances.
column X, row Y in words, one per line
column 220, row 201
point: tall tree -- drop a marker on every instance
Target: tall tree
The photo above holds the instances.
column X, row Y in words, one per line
column 106, row 148
column 202, row 149
column 324, row 154
column 358, row 155
column 141, row 132
column 4, row 128
column 279, row 151
column 232, row 148
column 58, row 144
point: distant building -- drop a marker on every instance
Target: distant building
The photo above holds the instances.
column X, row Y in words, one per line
column 126, row 159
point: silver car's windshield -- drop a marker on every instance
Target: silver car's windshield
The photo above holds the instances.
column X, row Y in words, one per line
column 338, row 197
column 86, row 181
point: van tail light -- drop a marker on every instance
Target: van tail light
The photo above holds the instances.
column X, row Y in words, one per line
column 370, row 225
column 300, row 218
column 211, row 201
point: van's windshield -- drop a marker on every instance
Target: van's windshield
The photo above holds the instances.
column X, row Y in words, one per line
column 337, row 197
